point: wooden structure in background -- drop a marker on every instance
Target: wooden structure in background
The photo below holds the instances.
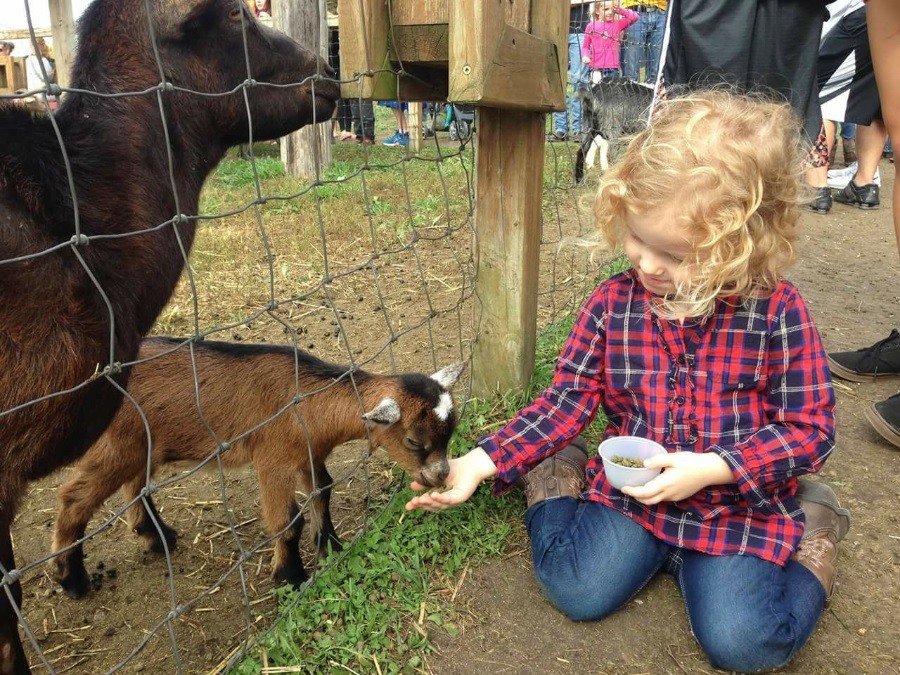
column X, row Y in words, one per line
column 62, row 30
column 12, row 74
column 509, row 58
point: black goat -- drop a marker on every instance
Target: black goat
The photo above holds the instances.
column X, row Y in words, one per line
column 58, row 330
column 611, row 110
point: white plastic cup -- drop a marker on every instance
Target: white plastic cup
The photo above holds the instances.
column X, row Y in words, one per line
column 632, row 447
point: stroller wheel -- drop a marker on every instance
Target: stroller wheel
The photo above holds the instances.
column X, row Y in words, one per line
column 454, row 131
column 464, row 130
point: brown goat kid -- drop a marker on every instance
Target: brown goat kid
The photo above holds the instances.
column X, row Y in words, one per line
column 57, row 329
column 241, row 386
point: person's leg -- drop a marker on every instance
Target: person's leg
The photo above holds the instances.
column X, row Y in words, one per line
column 884, row 40
column 656, row 22
column 817, row 174
column 862, row 191
column 830, row 140
column 848, row 142
column 588, row 558
column 356, row 119
column 633, row 48
column 749, row 614
column 579, row 76
column 400, row 119
column 367, row 117
column 869, row 144
column 848, row 131
column 581, row 80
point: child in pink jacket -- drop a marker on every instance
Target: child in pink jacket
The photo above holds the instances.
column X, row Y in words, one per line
column 600, row 50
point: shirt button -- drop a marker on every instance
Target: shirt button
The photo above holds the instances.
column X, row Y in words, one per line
column 679, row 400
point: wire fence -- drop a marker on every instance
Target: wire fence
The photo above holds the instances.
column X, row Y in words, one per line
column 370, row 265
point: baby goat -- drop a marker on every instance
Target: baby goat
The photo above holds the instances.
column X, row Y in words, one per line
column 241, row 386
column 612, row 110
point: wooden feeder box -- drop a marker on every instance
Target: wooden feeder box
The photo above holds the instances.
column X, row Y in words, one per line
column 495, row 53
column 12, row 74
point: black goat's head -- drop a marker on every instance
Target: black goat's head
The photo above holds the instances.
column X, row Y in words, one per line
column 208, row 46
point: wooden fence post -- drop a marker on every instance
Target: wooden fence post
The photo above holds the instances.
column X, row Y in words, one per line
column 509, row 159
column 307, row 152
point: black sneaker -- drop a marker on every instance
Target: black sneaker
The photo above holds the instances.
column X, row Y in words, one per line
column 862, row 197
column 881, row 360
column 822, row 201
column 885, row 417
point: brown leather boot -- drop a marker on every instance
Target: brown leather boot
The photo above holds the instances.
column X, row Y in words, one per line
column 561, row 475
column 849, row 148
column 826, row 524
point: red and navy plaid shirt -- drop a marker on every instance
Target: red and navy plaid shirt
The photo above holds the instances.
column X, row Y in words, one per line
column 749, row 383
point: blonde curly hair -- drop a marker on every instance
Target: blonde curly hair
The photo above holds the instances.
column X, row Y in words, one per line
column 729, row 164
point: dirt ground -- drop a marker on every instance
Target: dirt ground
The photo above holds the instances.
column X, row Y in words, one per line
column 847, row 271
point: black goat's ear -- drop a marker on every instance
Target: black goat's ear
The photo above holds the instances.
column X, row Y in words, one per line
column 448, row 376
column 386, row 412
column 172, row 15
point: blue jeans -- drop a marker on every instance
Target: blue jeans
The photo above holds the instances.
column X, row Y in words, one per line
column 848, row 131
column 579, row 77
column 747, row 614
column 643, row 43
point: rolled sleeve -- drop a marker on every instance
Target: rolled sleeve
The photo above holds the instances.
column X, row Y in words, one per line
column 563, row 410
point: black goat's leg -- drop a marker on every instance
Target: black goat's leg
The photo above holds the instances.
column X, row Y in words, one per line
column 12, row 654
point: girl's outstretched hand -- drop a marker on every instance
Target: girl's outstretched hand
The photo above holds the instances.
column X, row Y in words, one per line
column 466, row 474
column 684, row 474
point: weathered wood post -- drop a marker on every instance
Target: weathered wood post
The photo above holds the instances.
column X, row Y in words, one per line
column 306, row 152
column 509, row 58
column 62, row 26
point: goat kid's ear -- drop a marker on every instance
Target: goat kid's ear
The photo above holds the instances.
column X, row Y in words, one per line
column 448, row 376
column 386, row 412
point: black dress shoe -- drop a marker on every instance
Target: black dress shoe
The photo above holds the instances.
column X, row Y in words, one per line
column 860, row 196
column 822, row 201
column 885, row 417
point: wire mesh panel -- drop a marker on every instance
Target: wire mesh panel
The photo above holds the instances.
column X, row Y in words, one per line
column 153, row 200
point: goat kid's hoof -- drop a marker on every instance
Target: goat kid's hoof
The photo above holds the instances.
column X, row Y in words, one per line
column 332, row 544
column 156, row 544
column 76, row 585
column 295, row 576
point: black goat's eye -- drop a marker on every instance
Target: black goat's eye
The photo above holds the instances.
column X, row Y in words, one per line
column 235, row 14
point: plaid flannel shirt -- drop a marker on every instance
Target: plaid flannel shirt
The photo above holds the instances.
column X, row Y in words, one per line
column 749, row 383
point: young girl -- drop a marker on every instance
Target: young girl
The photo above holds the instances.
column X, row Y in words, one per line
column 600, row 50
column 262, row 9
column 704, row 348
